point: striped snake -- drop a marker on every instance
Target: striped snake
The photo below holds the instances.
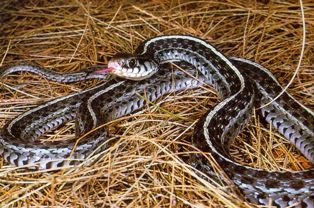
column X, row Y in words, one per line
column 242, row 84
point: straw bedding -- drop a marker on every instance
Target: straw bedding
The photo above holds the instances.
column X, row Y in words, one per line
column 144, row 167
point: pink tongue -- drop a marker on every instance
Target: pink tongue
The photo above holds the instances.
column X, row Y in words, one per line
column 104, row 71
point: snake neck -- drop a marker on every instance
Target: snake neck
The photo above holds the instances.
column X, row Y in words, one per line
column 221, row 73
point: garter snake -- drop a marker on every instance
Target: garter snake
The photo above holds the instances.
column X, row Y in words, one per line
column 241, row 83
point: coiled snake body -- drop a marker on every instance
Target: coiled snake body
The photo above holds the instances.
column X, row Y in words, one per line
column 240, row 82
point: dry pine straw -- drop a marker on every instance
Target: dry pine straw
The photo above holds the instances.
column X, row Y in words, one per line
column 144, row 166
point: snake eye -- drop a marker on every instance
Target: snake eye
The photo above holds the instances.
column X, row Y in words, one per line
column 132, row 62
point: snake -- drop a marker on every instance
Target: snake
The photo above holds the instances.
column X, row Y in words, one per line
column 242, row 85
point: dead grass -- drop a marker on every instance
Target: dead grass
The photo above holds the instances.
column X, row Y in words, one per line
column 143, row 167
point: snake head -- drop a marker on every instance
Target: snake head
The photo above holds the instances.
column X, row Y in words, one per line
column 130, row 67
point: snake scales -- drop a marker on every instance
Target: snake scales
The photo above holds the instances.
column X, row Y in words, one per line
column 241, row 83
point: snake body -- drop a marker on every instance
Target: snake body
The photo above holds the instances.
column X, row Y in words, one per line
column 241, row 83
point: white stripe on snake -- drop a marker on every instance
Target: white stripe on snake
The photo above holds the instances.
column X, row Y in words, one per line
column 241, row 83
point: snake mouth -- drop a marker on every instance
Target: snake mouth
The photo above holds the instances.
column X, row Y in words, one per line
column 112, row 67
column 105, row 70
